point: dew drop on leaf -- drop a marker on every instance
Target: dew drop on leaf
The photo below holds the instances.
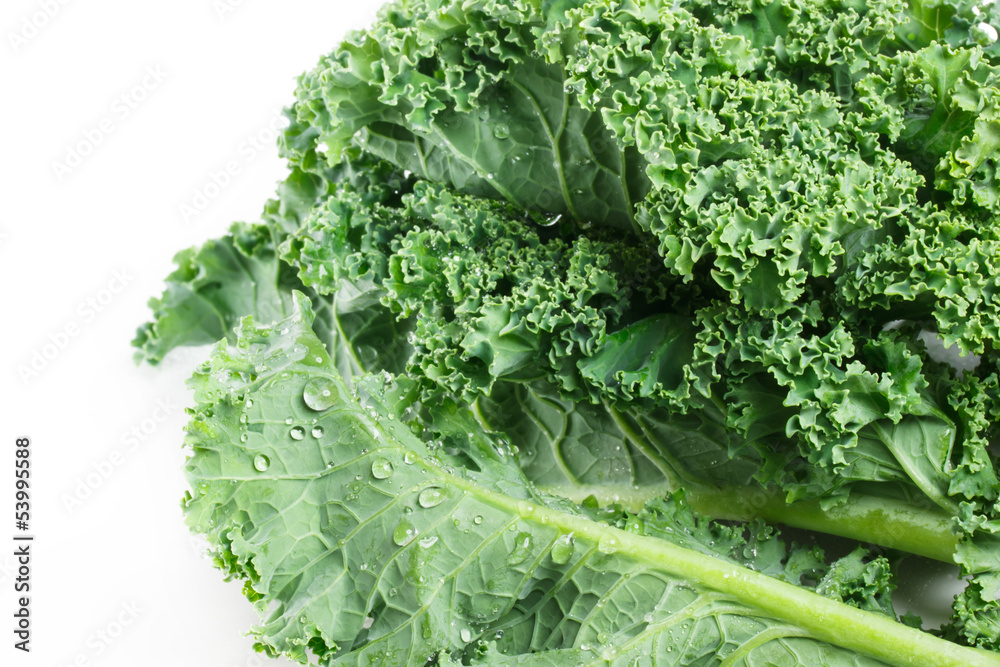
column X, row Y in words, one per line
column 431, row 497
column 563, row 549
column 319, row 394
column 478, row 520
column 317, row 432
column 522, row 549
column 428, row 541
column 404, row 533
column 381, row 468
column 608, row 544
column 261, row 463
column 297, row 433
column 466, row 635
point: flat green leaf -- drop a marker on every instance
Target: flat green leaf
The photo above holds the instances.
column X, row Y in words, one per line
column 360, row 544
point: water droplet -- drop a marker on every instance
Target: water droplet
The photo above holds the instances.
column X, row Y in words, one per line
column 499, row 634
column 244, row 438
column 261, row 463
column 409, row 458
column 431, row 497
column 466, row 635
column 501, row 131
column 320, row 394
column 393, row 592
column 297, row 433
column 478, row 520
column 608, row 544
column 381, row 468
column 317, row 432
column 404, row 533
column 428, row 541
column 563, row 549
column 522, row 549
column 551, row 221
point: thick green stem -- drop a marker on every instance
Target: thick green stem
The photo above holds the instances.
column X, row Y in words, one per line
column 889, row 523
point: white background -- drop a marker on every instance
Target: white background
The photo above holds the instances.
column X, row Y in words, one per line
column 122, row 554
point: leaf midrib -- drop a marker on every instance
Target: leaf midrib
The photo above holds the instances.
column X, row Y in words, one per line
column 828, row 620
